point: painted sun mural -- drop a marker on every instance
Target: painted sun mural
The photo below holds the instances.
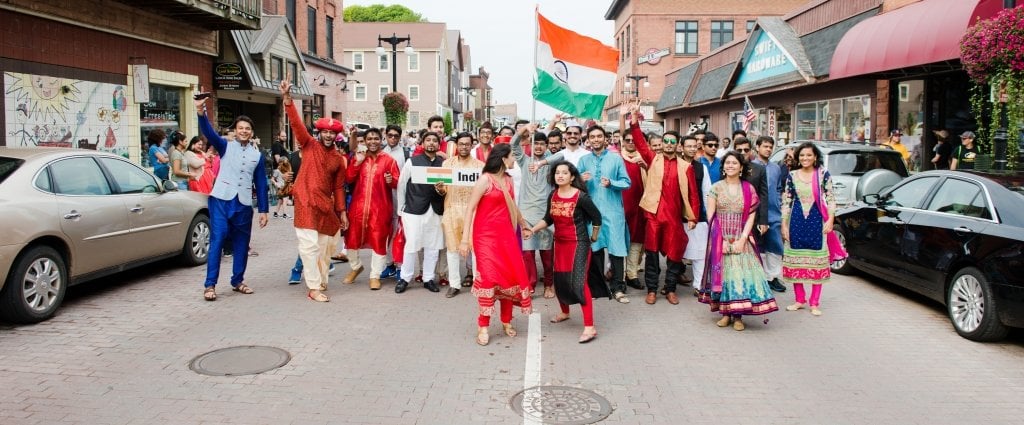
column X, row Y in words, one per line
column 48, row 111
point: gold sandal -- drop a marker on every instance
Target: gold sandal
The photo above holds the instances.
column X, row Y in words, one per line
column 509, row 330
column 482, row 337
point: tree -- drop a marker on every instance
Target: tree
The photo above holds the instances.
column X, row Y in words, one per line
column 381, row 13
column 448, row 123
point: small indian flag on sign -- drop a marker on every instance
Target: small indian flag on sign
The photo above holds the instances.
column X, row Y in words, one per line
column 435, row 175
column 575, row 73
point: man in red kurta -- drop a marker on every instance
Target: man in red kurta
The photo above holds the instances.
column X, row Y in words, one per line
column 375, row 175
column 669, row 194
column 319, row 195
column 636, row 168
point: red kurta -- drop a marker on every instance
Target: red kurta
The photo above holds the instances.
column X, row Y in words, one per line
column 319, row 191
column 631, row 202
column 501, row 273
column 370, row 213
column 664, row 231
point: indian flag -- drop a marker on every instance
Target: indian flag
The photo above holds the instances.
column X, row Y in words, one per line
column 435, row 175
column 575, row 73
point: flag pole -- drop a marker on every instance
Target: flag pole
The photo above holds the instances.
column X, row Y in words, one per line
column 536, row 37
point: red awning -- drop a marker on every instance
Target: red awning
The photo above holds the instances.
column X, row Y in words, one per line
column 921, row 33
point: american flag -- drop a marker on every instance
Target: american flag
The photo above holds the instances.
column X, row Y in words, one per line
column 749, row 113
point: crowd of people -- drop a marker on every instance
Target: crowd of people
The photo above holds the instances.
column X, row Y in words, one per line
column 599, row 208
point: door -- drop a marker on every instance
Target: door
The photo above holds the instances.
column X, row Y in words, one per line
column 95, row 221
column 154, row 217
column 957, row 212
column 899, row 207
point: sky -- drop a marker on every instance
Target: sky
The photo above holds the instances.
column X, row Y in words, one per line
column 501, row 36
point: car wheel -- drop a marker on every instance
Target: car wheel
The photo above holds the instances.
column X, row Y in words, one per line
column 197, row 241
column 842, row 267
column 35, row 286
column 972, row 307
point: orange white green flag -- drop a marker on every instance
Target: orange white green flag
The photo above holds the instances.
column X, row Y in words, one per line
column 575, row 73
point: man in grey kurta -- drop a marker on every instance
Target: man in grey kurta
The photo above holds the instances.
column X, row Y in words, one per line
column 606, row 178
column 533, row 203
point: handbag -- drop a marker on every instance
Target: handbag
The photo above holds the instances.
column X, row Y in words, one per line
column 836, row 252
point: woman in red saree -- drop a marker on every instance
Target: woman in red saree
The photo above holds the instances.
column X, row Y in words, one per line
column 493, row 219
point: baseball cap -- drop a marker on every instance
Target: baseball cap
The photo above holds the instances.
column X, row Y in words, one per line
column 896, row 132
column 967, row 135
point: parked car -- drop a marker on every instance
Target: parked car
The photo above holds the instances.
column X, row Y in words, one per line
column 72, row 215
column 856, row 169
column 952, row 236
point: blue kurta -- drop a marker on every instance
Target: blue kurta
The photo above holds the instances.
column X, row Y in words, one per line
column 614, row 233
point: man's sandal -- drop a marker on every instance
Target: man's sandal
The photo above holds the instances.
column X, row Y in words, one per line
column 509, row 330
column 242, row 288
column 210, row 294
column 319, row 297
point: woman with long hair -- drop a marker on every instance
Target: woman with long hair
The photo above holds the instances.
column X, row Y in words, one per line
column 180, row 173
column 492, row 219
column 195, row 158
column 808, row 211
column 734, row 281
column 571, row 210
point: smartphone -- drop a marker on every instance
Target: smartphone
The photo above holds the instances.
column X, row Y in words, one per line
column 201, row 96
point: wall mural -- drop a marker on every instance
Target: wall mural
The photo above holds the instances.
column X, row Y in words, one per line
column 49, row 111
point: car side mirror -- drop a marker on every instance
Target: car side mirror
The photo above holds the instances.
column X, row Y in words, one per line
column 169, row 186
column 871, row 198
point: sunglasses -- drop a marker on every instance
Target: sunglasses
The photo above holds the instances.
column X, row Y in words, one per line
column 669, row 141
column 627, row 140
column 572, row 133
column 711, row 145
column 743, row 150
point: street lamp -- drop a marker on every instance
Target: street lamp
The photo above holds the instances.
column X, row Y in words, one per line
column 394, row 41
column 629, row 83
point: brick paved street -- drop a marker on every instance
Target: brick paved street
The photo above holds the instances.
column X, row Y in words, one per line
column 118, row 353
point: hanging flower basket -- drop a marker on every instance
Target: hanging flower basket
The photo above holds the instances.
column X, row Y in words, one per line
column 396, row 108
column 992, row 53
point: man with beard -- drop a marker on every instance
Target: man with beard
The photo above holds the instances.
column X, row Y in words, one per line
column 420, row 206
column 456, row 202
column 554, row 141
column 319, row 195
column 393, row 147
column 435, row 124
column 636, row 168
column 604, row 172
column 770, row 241
column 572, row 152
column 533, row 204
column 375, row 175
column 697, row 243
column 669, row 194
column 230, row 202
column 710, row 159
column 486, row 137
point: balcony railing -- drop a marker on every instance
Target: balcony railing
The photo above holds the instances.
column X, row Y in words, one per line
column 211, row 14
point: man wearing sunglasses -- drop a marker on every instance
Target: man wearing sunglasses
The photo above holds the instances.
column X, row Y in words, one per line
column 670, row 193
column 572, row 152
column 636, row 168
column 393, row 147
column 710, row 160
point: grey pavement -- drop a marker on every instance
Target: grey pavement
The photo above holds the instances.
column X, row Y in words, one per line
column 118, row 352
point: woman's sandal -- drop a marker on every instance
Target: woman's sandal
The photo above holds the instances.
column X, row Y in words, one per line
column 815, row 311
column 319, row 297
column 210, row 294
column 482, row 337
column 559, row 318
column 549, row 292
column 724, row 322
column 586, row 337
column 509, row 330
column 795, row 307
column 242, row 288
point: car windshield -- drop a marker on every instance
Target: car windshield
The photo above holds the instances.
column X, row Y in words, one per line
column 7, row 166
column 856, row 163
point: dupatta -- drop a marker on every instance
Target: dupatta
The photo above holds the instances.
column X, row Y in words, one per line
column 712, row 281
column 836, row 251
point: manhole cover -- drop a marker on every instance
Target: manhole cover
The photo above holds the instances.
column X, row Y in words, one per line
column 561, row 405
column 245, row 360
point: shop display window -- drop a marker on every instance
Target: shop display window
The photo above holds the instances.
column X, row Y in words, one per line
column 846, row 119
column 163, row 111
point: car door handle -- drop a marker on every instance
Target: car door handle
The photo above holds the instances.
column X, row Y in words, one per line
column 963, row 229
column 137, row 209
column 72, row 215
column 838, row 185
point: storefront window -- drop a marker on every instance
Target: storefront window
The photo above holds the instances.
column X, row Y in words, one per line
column 846, row 119
column 163, row 111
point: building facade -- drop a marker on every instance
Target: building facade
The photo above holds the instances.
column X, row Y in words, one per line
column 77, row 78
column 657, row 36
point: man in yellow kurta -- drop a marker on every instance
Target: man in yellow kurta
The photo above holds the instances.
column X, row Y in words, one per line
column 456, row 201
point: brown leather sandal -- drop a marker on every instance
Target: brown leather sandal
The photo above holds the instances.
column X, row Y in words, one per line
column 242, row 288
column 210, row 294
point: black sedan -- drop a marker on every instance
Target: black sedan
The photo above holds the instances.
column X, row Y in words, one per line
column 956, row 237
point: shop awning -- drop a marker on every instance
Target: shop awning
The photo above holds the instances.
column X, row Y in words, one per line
column 923, row 33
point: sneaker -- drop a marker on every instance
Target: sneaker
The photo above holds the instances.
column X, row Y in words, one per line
column 776, row 285
column 330, row 271
column 296, row 277
column 389, row 272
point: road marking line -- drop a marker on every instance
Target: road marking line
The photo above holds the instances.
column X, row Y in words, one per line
column 531, row 374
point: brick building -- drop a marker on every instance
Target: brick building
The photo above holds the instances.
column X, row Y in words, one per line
column 482, row 101
column 657, row 36
column 100, row 74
